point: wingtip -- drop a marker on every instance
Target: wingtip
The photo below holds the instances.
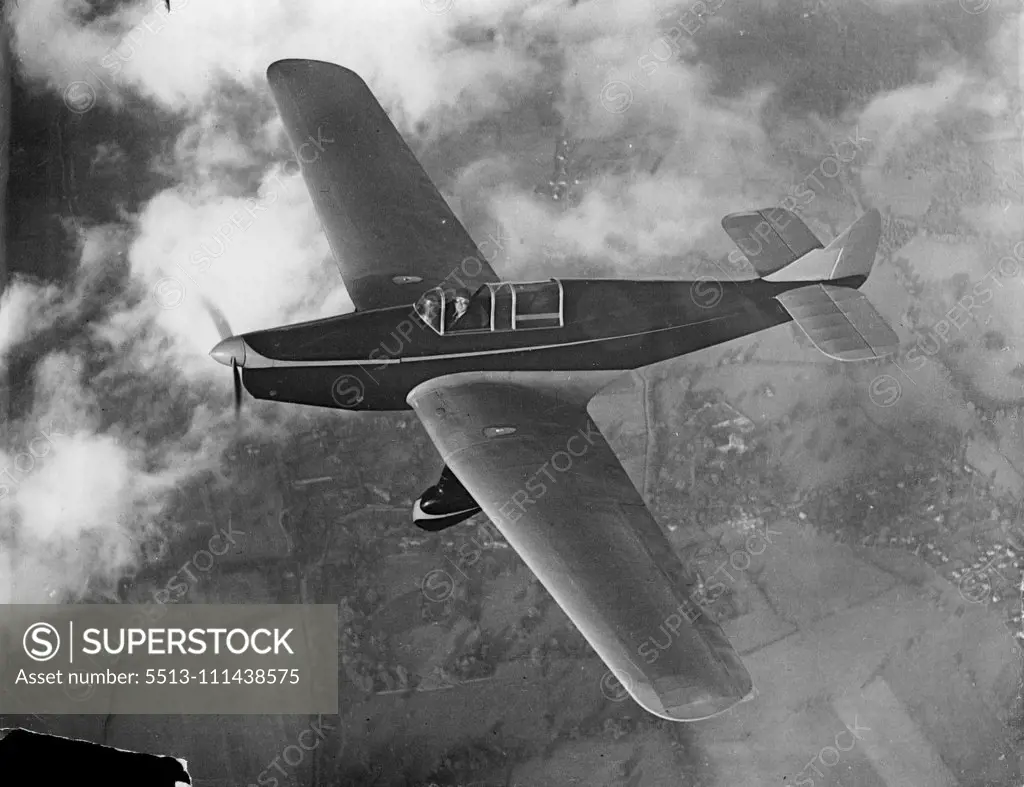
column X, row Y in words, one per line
column 689, row 709
column 873, row 219
column 677, row 698
column 299, row 67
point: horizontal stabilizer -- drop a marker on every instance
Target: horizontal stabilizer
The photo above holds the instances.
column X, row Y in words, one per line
column 770, row 238
column 841, row 322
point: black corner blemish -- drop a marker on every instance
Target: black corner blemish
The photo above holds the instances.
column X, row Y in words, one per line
column 55, row 760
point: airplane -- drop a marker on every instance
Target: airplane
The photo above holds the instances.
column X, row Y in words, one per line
column 502, row 382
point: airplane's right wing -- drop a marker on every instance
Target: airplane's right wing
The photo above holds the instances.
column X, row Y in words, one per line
column 538, row 466
column 392, row 234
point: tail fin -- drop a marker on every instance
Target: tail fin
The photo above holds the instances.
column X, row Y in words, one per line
column 850, row 254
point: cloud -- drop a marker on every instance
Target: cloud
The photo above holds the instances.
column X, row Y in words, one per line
column 76, row 503
column 176, row 59
column 709, row 160
column 262, row 259
column 20, row 304
column 898, row 121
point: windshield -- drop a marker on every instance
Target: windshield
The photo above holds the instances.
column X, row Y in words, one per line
column 430, row 308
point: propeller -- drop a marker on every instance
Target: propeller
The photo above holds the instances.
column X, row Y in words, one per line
column 236, row 376
column 228, row 350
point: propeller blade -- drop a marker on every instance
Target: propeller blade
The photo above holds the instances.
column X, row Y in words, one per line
column 223, row 327
column 237, row 376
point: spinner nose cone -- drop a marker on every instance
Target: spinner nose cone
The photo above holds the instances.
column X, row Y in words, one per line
column 232, row 348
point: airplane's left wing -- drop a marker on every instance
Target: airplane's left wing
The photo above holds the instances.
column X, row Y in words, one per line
column 538, row 466
column 392, row 234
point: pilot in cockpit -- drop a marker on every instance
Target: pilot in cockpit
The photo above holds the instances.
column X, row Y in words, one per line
column 464, row 315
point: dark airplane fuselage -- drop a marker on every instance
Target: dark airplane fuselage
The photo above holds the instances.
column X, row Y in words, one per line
column 371, row 360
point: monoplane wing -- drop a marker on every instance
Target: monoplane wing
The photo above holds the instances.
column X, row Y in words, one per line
column 538, row 466
column 390, row 230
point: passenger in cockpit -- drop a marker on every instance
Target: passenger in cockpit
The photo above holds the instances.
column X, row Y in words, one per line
column 461, row 304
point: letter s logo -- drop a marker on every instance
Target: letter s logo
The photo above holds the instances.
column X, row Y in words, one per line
column 41, row 641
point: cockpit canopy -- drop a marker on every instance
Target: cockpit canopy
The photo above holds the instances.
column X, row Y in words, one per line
column 497, row 306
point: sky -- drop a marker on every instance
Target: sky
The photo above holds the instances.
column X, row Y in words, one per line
column 744, row 103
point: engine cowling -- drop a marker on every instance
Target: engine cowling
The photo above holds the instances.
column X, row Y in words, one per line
column 443, row 505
